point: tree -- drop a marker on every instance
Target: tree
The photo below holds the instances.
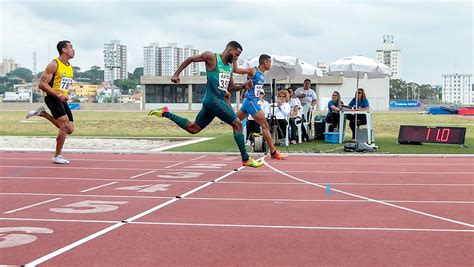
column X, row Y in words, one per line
column 95, row 74
column 136, row 75
column 3, row 89
column 398, row 89
column 125, row 85
column 22, row 73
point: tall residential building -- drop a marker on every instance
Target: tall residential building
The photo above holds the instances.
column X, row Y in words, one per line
column 164, row 61
column 8, row 65
column 115, row 61
column 390, row 56
column 151, row 60
column 457, row 89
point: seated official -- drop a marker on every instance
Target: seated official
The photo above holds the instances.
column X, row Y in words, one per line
column 334, row 106
column 279, row 113
column 295, row 114
column 362, row 104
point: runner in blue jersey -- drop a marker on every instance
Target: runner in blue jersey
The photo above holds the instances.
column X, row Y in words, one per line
column 219, row 82
column 250, row 106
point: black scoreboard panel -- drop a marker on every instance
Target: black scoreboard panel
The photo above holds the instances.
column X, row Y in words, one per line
column 424, row 134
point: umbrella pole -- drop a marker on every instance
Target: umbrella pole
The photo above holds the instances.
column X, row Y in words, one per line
column 357, row 100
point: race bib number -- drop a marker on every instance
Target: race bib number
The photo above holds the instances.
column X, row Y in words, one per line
column 258, row 88
column 224, row 79
column 65, row 83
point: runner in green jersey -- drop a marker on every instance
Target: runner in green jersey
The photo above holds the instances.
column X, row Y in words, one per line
column 219, row 82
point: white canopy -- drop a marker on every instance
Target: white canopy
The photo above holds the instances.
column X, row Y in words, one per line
column 358, row 67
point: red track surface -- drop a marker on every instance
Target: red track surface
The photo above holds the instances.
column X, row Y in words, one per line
column 116, row 210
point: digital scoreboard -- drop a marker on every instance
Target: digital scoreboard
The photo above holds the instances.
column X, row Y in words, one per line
column 423, row 134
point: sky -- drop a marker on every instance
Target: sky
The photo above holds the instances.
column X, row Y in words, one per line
column 435, row 37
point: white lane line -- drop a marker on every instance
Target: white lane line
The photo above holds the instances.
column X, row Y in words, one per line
column 241, row 199
column 233, row 158
column 30, row 206
column 371, row 199
column 254, row 171
column 80, row 195
column 228, row 182
column 57, row 220
column 97, row 187
column 115, row 226
column 198, row 158
column 171, row 166
column 309, row 227
column 329, row 200
column 284, row 227
column 141, row 174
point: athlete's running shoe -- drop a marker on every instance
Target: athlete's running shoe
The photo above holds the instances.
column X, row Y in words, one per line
column 159, row 112
column 278, row 155
column 60, row 160
column 36, row 112
column 252, row 163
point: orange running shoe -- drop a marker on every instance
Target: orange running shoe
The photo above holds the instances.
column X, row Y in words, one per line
column 278, row 155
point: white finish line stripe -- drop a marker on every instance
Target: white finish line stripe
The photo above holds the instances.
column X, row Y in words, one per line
column 141, row 174
column 30, row 206
column 97, row 187
column 371, row 199
column 171, row 166
column 131, row 219
column 198, row 158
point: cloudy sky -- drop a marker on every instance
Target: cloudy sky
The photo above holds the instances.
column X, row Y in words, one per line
column 432, row 35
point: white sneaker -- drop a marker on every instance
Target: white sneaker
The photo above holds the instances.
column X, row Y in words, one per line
column 36, row 112
column 60, row 160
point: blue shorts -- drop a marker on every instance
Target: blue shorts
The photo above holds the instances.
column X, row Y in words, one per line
column 250, row 107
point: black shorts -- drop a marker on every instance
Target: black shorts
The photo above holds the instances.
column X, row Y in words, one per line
column 58, row 108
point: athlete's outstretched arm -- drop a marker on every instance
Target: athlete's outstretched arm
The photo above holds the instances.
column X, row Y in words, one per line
column 46, row 77
column 247, row 71
column 235, row 88
column 207, row 57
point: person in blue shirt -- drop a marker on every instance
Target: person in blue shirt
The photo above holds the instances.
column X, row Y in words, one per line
column 250, row 104
column 362, row 104
column 334, row 106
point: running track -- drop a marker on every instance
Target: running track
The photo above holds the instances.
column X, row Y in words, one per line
column 168, row 210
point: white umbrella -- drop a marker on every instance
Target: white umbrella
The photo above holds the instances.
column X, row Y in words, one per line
column 358, row 67
column 286, row 67
column 310, row 70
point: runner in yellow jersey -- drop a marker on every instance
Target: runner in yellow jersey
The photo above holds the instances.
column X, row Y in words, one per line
column 55, row 82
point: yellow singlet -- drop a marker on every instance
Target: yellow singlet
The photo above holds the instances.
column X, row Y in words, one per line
column 62, row 78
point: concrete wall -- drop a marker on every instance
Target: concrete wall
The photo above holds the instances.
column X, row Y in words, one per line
column 377, row 91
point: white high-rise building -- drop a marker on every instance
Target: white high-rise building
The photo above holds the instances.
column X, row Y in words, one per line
column 164, row 61
column 457, row 89
column 390, row 56
column 193, row 68
column 151, row 60
column 115, row 61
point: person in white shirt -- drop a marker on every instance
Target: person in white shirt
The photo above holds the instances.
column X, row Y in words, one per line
column 306, row 95
column 308, row 100
column 281, row 112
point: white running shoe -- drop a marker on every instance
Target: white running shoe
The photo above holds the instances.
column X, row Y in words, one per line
column 36, row 112
column 60, row 160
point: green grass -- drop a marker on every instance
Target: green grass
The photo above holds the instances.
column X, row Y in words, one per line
column 137, row 124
